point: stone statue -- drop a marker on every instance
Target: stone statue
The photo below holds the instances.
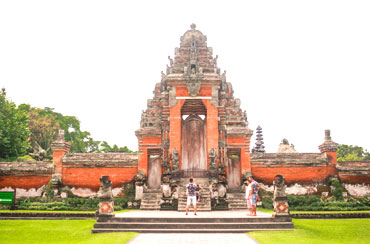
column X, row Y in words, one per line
column 140, row 178
column 175, row 160
column 285, row 147
column 105, row 195
column 212, row 159
column 171, row 60
column 281, row 207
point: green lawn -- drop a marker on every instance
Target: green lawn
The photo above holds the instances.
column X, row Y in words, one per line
column 56, row 232
column 62, row 211
column 272, row 211
column 328, row 231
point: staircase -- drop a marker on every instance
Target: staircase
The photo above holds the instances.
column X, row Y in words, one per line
column 236, row 200
column 205, row 200
column 190, row 224
column 151, row 200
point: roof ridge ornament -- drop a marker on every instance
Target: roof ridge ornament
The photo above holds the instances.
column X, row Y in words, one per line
column 193, row 26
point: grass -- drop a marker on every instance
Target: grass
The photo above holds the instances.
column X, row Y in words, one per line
column 272, row 211
column 361, row 211
column 328, row 231
column 62, row 211
column 57, row 232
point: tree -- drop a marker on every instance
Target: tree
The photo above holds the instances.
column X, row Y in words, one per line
column 14, row 130
column 43, row 131
column 352, row 153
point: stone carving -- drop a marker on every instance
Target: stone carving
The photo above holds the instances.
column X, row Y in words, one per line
column 171, row 60
column 175, row 160
column 140, row 178
column 328, row 145
column 212, row 160
column 193, row 83
column 281, row 207
column 105, row 195
column 285, row 147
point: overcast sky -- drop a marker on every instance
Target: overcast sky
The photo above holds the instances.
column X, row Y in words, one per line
column 299, row 67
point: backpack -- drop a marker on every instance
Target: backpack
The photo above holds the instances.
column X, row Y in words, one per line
column 191, row 189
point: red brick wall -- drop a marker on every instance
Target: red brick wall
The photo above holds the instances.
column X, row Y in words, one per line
column 24, row 181
column 90, row 177
column 302, row 175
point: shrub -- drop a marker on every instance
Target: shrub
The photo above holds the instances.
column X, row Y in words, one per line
column 25, row 158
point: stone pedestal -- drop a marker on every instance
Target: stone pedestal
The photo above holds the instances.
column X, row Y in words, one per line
column 106, row 203
column 281, row 207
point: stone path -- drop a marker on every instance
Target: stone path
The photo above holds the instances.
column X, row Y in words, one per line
column 192, row 239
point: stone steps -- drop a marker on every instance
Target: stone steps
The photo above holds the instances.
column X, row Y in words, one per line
column 192, row 224
column 236, row 200
column 151, row 200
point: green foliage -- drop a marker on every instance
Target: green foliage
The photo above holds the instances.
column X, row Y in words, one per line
column 71, row 203
column 314, row 203
column 25, row 158
column 49, row 191
column 352, row 153
column 105, row 147
column 337, row 191
column 13, row 129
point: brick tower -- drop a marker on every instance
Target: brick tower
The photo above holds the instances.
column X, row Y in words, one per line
column 194, row 123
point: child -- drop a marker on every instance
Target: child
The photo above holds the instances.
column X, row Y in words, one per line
column 198, row 190
column 248, row 189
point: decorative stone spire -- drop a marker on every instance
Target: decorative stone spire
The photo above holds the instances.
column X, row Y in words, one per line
column 328, row 145
column 259, row 147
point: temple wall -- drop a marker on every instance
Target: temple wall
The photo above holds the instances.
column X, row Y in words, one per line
column 81, row 172
column 354, row 172
column 25, row 175
column 303, row 168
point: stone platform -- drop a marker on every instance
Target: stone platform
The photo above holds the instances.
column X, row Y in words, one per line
column 178, row 222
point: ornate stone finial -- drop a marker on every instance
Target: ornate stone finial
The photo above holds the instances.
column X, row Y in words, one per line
column 193, row 26
column 61, row 135
column 327, row 135
column 328, row 145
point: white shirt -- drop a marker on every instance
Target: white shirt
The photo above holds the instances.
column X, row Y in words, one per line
column 249, row 188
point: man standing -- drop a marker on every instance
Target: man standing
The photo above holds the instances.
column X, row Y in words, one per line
column 253, row 195
column 191, row 194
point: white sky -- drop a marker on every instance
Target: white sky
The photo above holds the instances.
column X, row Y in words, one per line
column 299, row 67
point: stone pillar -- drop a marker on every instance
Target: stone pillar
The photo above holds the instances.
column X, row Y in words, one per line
column 59, row 147
column 212, row 125
column 106, row 203
column 281, row 207
column 330, row 149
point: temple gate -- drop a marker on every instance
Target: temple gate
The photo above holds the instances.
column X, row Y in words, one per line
column 194, row 120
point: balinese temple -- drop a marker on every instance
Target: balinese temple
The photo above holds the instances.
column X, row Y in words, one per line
column 194, row 125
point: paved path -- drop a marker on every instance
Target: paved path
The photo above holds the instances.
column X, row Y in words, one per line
column 192, row 239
